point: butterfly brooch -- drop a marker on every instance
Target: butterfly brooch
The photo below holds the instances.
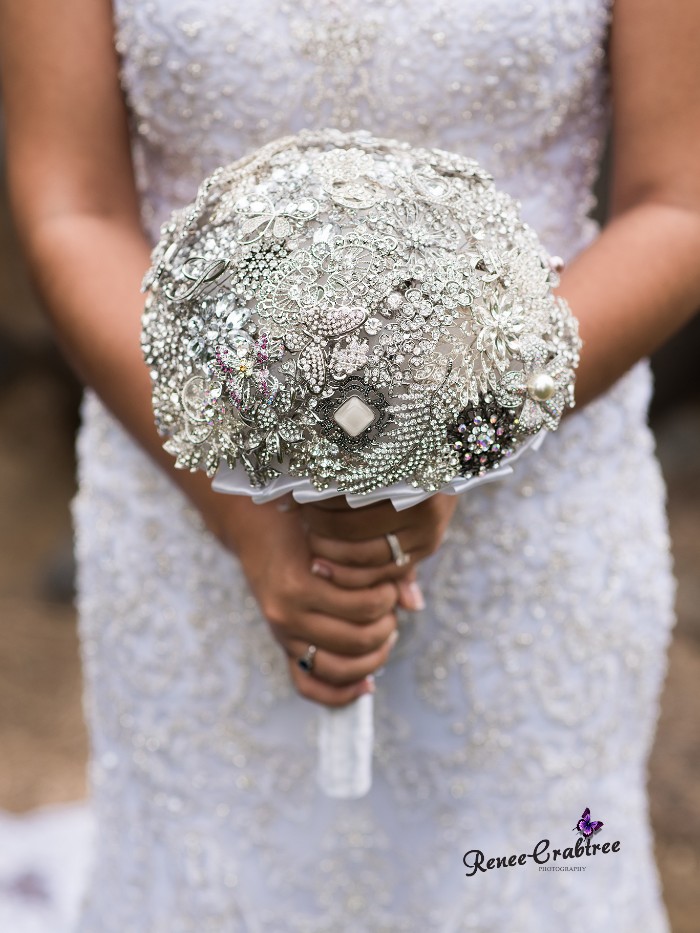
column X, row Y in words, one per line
column 586, row 826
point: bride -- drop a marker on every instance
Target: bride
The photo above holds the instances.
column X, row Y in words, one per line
column 523, row 647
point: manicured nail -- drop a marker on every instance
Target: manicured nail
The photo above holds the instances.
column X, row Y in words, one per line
column 417, row 594
column 393, row 638
column 370, row 685
column 321, row 570
column 413, row 595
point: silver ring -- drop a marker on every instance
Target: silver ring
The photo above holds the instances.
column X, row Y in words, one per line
column 306, row 661
column 399, row 556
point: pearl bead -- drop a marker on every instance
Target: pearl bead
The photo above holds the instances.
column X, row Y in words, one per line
column 541, row 386
column 556, row 263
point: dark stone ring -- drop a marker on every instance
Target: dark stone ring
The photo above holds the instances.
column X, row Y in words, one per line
column 306, row 662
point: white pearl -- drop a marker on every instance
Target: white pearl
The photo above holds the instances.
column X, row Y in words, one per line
column 541, row 386
column 556, row 263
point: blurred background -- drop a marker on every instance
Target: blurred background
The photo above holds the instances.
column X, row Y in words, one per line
column 43, row 743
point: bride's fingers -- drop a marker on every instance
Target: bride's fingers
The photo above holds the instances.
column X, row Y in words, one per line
column 356, row 578
column 363, row 606
column 287, row 503
column 334, row 635
column 348, row 524
column 372, row 552
column 340, row 670
column 326, row 694
column 410, row 595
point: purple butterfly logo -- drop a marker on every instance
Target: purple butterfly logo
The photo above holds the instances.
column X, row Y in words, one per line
column 586, row 826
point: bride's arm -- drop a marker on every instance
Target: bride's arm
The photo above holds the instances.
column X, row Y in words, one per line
column 639, row 282
column 74, row 200
column 76, row 207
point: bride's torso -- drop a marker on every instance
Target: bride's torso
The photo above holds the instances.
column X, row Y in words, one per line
column 519, row 85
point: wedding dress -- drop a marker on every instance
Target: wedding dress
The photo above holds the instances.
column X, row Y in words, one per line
column 527, row 690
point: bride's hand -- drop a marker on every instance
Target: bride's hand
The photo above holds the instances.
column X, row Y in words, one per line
column 351, row 549
column 352, row 630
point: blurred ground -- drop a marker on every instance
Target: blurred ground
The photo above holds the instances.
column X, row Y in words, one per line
column 42, row 737
column 675, row 764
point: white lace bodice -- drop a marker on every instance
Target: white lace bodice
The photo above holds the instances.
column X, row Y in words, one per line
column 528, row 688
column 520, row 86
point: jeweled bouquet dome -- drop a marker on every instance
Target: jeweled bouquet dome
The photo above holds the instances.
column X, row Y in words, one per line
column 355, row 313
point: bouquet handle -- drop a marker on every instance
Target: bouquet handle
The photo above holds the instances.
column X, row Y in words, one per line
column 345, row 744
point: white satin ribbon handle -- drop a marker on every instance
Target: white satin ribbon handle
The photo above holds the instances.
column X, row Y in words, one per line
column 345, row 744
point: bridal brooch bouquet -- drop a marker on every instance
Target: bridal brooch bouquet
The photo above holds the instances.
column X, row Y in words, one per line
column 342, row 314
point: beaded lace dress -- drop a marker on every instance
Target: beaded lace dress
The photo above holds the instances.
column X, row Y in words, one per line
column 527, row 690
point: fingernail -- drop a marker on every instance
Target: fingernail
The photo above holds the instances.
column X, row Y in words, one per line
column 393, row 638
column 415, row 596
column 370, row 685
column 321, row 570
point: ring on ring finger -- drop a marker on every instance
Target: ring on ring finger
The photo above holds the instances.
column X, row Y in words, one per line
column 398, row 554
column 306, row 661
